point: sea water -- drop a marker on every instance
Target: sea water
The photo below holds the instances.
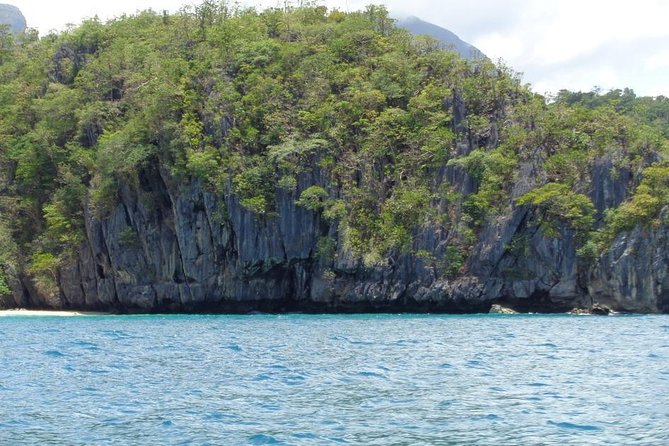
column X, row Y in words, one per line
column 334, row 379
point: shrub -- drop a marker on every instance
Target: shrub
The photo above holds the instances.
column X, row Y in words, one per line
column 557, row 202
column 313, row 198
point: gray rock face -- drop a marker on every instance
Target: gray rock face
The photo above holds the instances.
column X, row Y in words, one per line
column 610, row 190
column 12, row 16
column 169, row 247
column 634, row 274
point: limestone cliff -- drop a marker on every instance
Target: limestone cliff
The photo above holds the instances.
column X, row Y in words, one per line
column 170, row 247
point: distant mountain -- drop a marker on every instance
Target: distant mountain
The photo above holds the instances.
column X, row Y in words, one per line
column 12, row 16
column 418, row 26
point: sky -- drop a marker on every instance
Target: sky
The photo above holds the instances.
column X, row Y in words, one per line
column 572, row 44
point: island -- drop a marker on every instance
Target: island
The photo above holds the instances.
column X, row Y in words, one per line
column 224, row 159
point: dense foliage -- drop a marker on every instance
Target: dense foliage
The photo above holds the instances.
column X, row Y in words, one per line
column 248, row 101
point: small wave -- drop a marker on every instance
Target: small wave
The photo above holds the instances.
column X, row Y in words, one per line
column 12, row 424
column 216, row 416
column 54, row 353
column 361, row 342
column 85, row 345
column 113, row 421
column 445, row 366
column 278, row 367
column 234, row 348
column 352, row 341
column 262, row 377
column 273, row 407
column 294, row 380
column 475, row 364
column 306, row 436
column 221, row 416
column 489, row 417
column 368, row 374
column 573, row 426
column 402, row 342
column 260, row 439
column 117, row 335
column 96, row 371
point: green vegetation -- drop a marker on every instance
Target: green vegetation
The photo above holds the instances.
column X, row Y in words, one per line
column 557, row 202
column 246, row 102
column 643, row 207
column 8, row 255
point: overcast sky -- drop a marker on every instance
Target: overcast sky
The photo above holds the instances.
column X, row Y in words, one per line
column 574, row 44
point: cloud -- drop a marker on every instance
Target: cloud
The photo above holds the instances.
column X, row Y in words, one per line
column 657, row 61
column 580, row 44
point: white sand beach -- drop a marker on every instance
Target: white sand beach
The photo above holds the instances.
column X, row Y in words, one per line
column 22, row 312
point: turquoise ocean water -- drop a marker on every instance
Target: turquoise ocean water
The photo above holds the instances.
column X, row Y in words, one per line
column 311, row 380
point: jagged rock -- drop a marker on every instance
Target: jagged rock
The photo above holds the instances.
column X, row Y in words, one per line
column 595, row 309
column 633, row 276
column 580, row 311
column 498, row 309
column 600, row 310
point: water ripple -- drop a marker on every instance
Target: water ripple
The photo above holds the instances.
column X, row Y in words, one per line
column 579, row 427
column 54, row 353
column 356, row 379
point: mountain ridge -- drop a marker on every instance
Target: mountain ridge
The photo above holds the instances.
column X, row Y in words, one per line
column 447, row 37
column 12, row 16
